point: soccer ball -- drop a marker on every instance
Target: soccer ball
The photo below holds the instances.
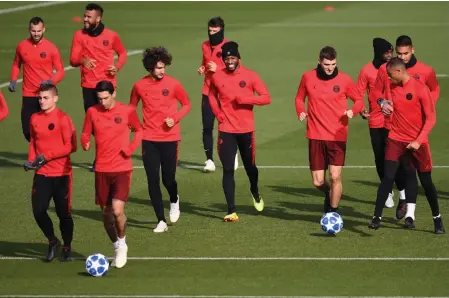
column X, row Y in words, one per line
column 97, row 265
column 331, row 223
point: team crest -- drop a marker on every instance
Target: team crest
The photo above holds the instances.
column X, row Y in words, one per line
column 105, row 43
column 336, row 88
column 118, row 120
column 416, row 76
column 219, row 54
column 165, row 92
column 51, row 126
column 43, row 55
column 242, row 84
column 409, row 96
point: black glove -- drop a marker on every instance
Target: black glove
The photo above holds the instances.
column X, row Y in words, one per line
column 35, row 164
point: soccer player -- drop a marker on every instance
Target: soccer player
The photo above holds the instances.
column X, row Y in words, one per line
column 414, row 117
column 378, row 124
column 327, row 89
column 39, row 57
column 111, row 121
column 160, row 95
column 405, row 51
column 211, row 62
column 52, row 140
column 4, row 111
column 232, row 101
column 93, row 49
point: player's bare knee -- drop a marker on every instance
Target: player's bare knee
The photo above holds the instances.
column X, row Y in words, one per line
column 318, row 182
column 335, row 177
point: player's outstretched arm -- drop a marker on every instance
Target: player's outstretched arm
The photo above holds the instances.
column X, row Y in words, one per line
column 261, row 89
column 434, row 86
column 300, row 99
column 4, row 111
column 213, row 100
column 183, row 98
column 75, row 51
column 58, row 65
column 356, row 97
column 119, row 48
column 134, row 97
column 136, row 127
column 87, row 130
column 428, row 106
column 69, row 141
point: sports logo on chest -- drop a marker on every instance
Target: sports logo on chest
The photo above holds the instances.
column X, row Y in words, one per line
column 51, row 126
column 118, row 119
column 105, row 42
column 336, row 88
column 165, row 92
column 409, row 96
column 219, row 54
column 242, row 84
column 43, row 55
column 416, row 76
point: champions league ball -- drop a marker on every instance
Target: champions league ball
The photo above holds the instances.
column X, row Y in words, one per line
column 331, row 223
column 97, row 265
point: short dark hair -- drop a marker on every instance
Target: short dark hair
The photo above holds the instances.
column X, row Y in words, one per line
column 154, row 55
column 328, row 53
column 404, row 41
column 216, row 22
column 96, row 7
column 396, row 62
column 49, row 87
column 36, row 21
column 105, row 86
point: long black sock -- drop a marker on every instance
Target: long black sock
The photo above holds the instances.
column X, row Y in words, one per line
column 66, row 226
column 229, row 189
column 385, row 186
column 430, row 191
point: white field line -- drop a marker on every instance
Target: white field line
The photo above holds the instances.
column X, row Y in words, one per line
column 130, row 53
column 30, row 6
column 196, row 296
column 2, row 258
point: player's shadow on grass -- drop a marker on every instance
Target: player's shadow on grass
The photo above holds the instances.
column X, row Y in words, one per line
column 12, row 159
column 185, row 207
column 193, row 166
column 27, row 250
column 311, row 192
column 441, row 194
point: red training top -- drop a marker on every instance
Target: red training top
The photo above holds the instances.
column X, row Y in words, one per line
column 211, row 53
column 414, row 112
column 160, row 101
column 3, row 107
column 53, row 135
column 232, row 98
column 111, row 130
column 100, row 48
column 327, row 103
column 38, row 61
column 419, row 71
column 365, row 83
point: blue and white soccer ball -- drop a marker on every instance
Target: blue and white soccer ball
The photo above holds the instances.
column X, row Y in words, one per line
column 97, row 265
column 331, row 223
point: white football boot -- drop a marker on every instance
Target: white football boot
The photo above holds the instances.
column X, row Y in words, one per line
column 161, row 227
column 210, row 166
column 390, row 202
column 174, row 211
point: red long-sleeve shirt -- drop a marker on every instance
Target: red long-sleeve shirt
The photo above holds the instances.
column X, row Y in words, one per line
column 211, row 53
column 232, row 98
column 365, row 83
column 112, row 133
column 414, row 111
column 100, row 48
column 420, row 71
column 326, row 106
column 38, row 62
column 52, row 134
column 4, row 111
column 160, row 101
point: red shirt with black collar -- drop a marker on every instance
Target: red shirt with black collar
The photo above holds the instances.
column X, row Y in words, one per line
column 38, row 61
column 326, row 105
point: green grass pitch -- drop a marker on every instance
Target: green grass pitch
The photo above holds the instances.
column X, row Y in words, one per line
column 279, row 252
